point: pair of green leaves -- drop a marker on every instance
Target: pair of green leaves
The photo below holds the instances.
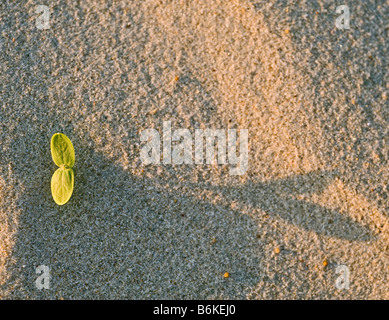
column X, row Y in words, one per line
column 62, row 182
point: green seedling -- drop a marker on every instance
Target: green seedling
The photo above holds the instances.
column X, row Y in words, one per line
column 62, row 182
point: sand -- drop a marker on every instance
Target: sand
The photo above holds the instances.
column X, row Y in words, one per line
column 313, row 97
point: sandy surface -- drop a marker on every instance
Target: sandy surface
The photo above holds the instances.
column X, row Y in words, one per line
column 313, row 97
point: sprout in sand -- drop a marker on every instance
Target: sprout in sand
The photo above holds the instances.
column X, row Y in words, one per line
column 62, row 182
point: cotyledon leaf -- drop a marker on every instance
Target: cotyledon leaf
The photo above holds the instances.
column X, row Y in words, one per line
column 62, row 184
column 62, row 150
